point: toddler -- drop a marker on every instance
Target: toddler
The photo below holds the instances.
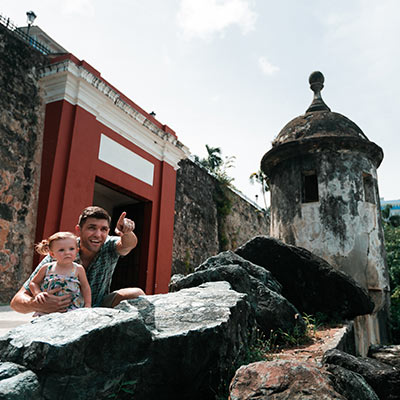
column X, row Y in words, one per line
column 63, row 273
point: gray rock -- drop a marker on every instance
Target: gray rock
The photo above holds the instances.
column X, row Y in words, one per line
column 230, row 258
column 310, row 283
column 198, row 334
column 85, row 348
column 178, row 345
column 18, row 383
column 383, row 378
column 282, row 380
column 271, row 310
column 386, row 354
column 350, row 384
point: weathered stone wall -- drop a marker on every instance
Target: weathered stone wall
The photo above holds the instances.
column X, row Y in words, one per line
column 21, row 131
column 198, row 230
column 343, row 226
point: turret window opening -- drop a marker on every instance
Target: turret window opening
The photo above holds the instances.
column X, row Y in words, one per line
column 369, row 192
column 309, row 187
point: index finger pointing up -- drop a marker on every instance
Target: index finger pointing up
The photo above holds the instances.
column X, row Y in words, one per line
column 121, row 218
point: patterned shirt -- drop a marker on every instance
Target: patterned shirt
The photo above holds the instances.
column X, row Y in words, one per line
column 99, row 272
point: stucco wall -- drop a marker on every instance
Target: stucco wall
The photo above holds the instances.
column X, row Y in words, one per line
column 21, row 130
column 341, row 227
column 197, row 224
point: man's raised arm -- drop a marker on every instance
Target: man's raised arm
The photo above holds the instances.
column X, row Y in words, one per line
column 124, row 230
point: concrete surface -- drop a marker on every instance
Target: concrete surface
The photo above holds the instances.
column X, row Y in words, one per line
column 10, row 319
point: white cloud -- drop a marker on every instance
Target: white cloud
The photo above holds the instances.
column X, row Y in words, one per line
column 203, row 18
column 266, row 67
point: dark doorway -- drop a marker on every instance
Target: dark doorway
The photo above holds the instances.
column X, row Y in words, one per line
column 131, row 269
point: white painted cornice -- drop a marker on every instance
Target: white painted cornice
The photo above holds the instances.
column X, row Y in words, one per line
column 67, row 81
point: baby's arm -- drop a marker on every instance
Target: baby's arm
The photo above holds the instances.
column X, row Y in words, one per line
column 85, row 288
column 34, row 285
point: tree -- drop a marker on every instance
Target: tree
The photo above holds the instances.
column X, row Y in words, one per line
column 260, row 177
column 215, row 164
column 213, row 160
column 392, row 245
column 388, row 217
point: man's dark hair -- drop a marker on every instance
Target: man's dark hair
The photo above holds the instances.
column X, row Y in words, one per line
column 93, row 212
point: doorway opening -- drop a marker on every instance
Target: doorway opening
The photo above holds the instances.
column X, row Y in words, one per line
column 131, row 269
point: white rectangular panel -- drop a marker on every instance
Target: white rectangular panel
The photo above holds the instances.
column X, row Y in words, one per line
column 125, row 160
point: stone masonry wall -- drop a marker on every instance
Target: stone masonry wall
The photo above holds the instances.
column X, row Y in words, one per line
column 21, row 132
column 197, row 224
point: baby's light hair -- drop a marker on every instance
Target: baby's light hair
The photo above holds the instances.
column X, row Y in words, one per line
column 44, row 246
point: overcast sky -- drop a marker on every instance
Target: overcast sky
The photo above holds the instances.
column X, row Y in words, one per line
column 232, row 73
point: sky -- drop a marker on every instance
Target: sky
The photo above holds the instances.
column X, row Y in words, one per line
column 233, row 73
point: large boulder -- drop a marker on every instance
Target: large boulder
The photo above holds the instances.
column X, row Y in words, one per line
column 350, row 384
column 18, row 383
column 198, row 335
column 310, row 283
column 383, row 378
column 272, row 311
column 295, row 380
column 178, row 345
column 85, row 348
column 281, row 380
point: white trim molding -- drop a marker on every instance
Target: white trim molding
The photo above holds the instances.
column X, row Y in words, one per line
column 73, row 83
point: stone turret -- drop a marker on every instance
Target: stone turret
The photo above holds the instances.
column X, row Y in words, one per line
column 324, row 197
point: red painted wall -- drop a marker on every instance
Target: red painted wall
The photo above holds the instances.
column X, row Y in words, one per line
column 70, row 166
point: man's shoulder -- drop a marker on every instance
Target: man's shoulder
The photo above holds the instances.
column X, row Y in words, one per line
column 112, row 240
column 110, row 244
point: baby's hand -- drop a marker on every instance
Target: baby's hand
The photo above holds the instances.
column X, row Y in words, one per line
column 41, row 297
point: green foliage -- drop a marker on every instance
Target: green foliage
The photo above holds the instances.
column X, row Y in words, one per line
column 125, row 390
column 215, row 164
column 262, row 347
column 392, row 245
column 222, row 196
column 258, row 349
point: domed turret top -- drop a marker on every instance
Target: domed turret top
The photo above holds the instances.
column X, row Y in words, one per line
column 316, row 80
column 318, row 129
column 318, row 120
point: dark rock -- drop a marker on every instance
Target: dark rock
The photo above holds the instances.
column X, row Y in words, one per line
column 86, row 348
column 350, row 384
column 310, row 283
column 386, row 354
column 178, row 345
column 229, row 257
column 383, row 378
column 18, row 383
column 282, row 380
column 198, row 334
column 271, row 310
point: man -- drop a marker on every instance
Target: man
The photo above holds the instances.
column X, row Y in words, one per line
column 98, row 253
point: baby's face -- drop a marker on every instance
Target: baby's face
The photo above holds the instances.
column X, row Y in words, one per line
column 64, row 250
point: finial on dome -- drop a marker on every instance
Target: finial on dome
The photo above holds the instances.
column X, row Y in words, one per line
column 316, row 80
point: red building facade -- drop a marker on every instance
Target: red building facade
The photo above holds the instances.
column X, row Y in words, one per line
column 102, row 149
